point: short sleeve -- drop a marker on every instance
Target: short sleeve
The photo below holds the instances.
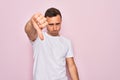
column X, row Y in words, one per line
column 70, row 50
column 37, row 41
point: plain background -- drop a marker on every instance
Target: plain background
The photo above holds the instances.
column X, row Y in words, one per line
column 92, row 25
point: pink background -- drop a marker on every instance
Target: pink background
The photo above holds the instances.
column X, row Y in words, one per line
column 92, row 25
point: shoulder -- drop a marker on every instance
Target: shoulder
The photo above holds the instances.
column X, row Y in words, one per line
column 38, row 40
column 66, row 39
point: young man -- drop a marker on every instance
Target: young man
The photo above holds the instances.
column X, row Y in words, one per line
column 52, row 52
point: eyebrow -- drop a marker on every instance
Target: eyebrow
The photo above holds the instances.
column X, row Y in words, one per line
column 53, row 23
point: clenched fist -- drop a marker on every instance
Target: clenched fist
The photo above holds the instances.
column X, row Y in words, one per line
column 39, row 22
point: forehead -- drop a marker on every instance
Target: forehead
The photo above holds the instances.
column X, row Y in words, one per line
column 55, row 19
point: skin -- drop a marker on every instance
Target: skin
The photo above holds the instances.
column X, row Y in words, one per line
column 53, row 24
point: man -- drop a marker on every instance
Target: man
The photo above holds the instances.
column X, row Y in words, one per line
column 52, row 52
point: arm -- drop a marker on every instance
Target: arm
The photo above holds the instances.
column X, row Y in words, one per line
column 30, row 31
column 34, row 26
column 72, row 68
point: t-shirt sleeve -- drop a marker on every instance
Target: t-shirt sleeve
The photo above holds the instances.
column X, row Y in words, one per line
column 70, row 50
column 37, row 41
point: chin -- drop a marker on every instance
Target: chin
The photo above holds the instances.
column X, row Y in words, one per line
column 54, row 33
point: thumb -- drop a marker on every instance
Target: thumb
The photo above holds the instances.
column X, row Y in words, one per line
column 40, row 34
column 39, row 31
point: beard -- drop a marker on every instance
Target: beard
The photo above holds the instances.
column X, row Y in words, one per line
column 54, row 33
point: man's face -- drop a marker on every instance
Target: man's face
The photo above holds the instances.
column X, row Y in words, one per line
column 54, row 25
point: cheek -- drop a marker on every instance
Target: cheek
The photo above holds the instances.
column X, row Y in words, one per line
column 49, row 28
column 59, row 28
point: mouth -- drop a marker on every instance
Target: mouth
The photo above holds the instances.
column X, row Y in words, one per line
column 55, row 33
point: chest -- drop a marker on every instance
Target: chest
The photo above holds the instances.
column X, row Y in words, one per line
column 56, row 48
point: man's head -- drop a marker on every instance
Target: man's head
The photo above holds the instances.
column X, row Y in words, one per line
column 54, row 20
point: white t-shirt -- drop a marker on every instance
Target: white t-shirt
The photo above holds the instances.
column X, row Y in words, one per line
column 50, row 57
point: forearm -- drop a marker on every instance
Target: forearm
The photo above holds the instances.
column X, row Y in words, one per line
column 73, row 72
column 30, row 31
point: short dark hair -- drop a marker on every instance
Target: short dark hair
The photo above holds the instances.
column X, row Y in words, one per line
column 51, row 12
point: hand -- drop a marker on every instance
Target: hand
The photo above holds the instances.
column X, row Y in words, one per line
column 39, row 22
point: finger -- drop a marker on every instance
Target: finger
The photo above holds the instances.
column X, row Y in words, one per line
column 43, row 20
column 38, row 30
column 44, row 24
column 40, row 34
column 37, row 17
column 35, row 24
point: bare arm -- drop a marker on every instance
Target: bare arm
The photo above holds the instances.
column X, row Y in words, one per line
column 72, row 68
column 30, row 31
column 34, row 26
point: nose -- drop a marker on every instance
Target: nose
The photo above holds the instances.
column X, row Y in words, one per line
column 54, row 27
